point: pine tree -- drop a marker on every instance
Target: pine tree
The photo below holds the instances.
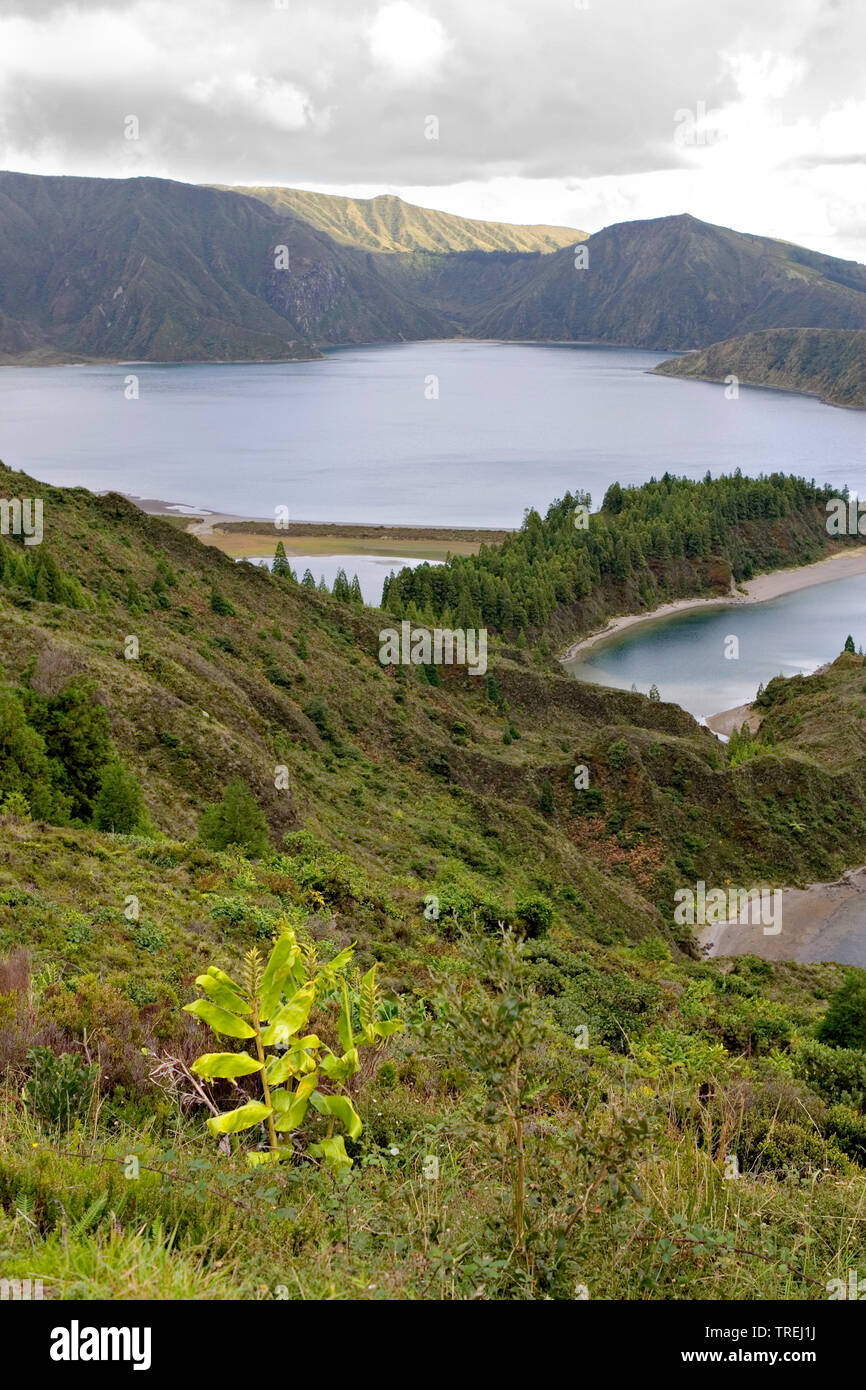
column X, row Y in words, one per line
column 341, row 588
column 281, row 567
column 236, row 820
column 654, row 692
column 119, row 807
column 355, row 590
column 849, row 644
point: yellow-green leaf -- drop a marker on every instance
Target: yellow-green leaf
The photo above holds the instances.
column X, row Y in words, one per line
column 342, row 1108
column 290, row 1107
column 339, row 962
column 226, row 1065
column 220, row 1020
column 344, row 1022
column 333, row 1151
column 259, row 1157
column 283, row 959
column 233, row 1121
column 341, row 1068
column 220, row 993
column 290, row 1018
column 384, row 1027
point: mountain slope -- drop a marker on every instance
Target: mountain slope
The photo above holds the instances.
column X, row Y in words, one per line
column 157, row 270
column 154, row 270
column 410, row 818
column 387, row 223
column 676, row 282
column 825, row 362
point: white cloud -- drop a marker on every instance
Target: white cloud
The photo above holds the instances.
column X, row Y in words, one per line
column 548, row 112
column 407, row 42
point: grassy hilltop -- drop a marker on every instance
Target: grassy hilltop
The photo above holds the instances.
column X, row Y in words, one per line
column 423, row 808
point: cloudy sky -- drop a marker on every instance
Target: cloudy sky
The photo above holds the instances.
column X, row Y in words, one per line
column 750, row 113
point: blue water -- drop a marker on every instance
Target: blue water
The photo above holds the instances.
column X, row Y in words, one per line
column 684, row 655
column 353, row 438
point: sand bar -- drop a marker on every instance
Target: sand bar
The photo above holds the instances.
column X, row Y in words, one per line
column 826, row 921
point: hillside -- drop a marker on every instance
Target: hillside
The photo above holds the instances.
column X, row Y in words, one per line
column 415, row 810
column 830, row 363
column 387, row 223
column 676, row 282
column 149, row 269
column 154, row 270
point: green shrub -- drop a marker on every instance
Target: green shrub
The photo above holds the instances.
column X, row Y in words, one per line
column 236, row 820
column 119, row 806
column 848, row 1129
column 844, row 1023
column 836, row 1074
column 219, row 604
column 534, row 915
column 60, row 1086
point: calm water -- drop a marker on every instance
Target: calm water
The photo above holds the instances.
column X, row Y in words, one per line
column 352, row 438
column 372, row 570
column 684, row 655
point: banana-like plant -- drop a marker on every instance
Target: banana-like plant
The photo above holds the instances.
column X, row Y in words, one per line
column 271, row 1007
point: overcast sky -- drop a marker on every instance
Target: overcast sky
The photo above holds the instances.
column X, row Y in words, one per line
column 750, row 113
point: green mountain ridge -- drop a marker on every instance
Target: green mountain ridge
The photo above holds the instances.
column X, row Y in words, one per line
column 677, row 282
column 387, row 223
column 152, row 270
column 824, row 362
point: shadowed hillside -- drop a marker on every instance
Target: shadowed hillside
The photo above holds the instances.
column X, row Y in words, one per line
column 830, row 363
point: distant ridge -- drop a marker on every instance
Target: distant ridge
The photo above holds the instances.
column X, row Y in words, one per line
column 154, row 270
column 387, row 223
column 825, row 362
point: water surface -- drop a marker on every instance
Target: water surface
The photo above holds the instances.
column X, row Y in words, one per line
column 354, row 438
column 684, row 655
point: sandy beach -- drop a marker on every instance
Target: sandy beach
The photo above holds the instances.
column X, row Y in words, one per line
column 252, row 537
column 843, row 565
column 826, row 921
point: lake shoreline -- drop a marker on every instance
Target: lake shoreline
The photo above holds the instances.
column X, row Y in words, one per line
column 821, row 922
column 246, row 537
column 764, row 587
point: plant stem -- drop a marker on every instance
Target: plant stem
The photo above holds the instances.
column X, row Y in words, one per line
column 272, row 1133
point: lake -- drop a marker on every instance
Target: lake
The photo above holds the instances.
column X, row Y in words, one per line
column 684, row 655
column 372, row 570
column 354, row 438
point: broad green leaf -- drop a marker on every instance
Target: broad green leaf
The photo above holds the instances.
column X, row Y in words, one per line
column 260, row 1157
column 299, row 1059
column 341, row 1068
column 279, row 1069
column 342, row 1108
column 339, row 962
column 221, row 994
column 290, row 1107
column 290, row 1018
column 333, row 1151
column 223, row 978
column 233, row 1121
column 303, row 1053
column 384, row 1027
column 220, row 1020
column 344, row 1022
column 283, row 959
column 227, row 1065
